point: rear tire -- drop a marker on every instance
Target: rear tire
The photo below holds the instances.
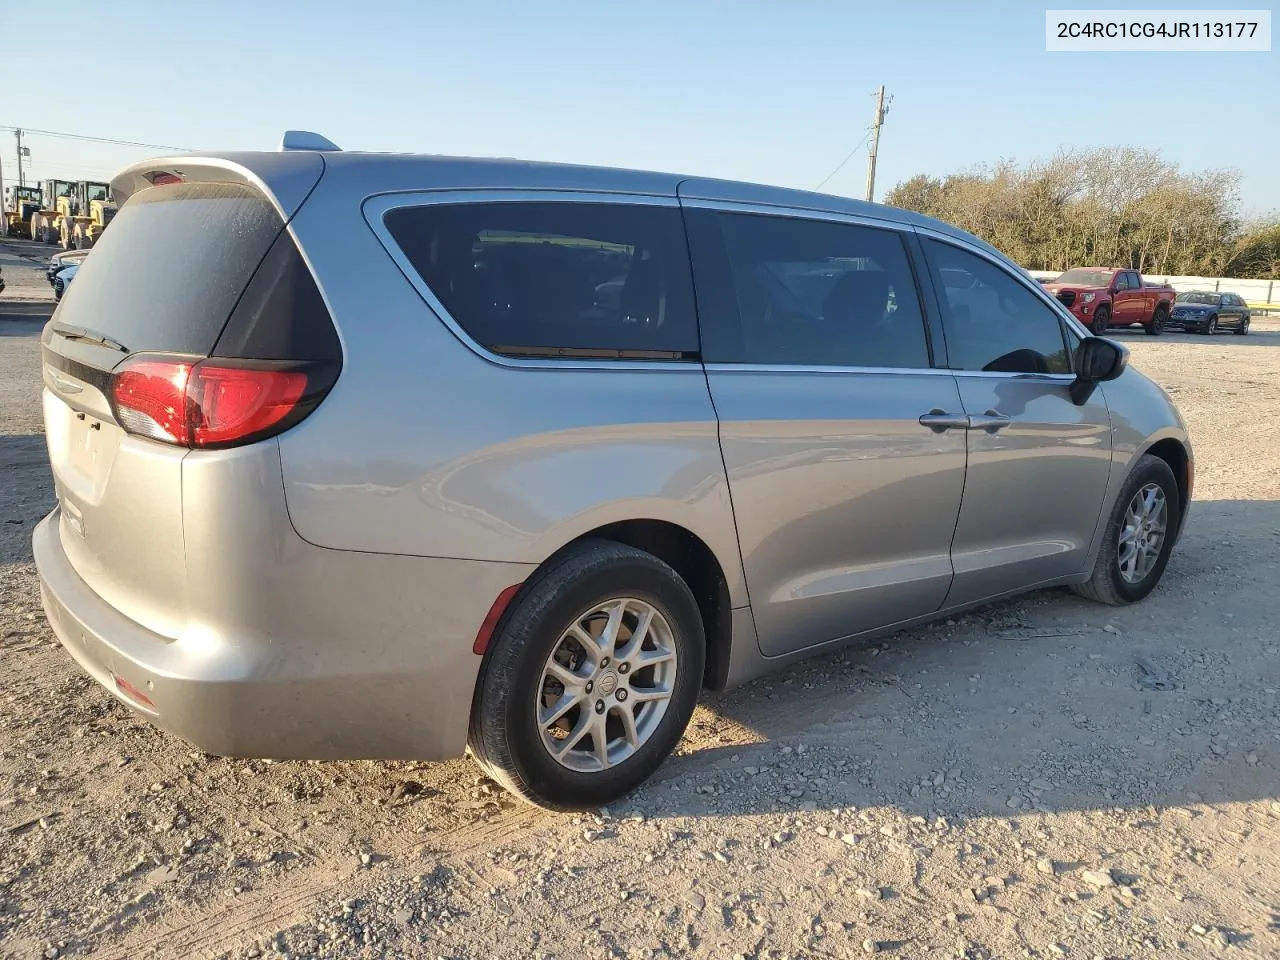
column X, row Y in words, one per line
column 535, row 644
column 1158, row 321
column 1243, row 328
column 1101, row 321
column 1109, row 583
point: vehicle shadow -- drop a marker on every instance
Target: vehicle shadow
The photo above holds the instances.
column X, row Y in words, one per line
column 1047, row 702
column 21, row 324
column 26, row 493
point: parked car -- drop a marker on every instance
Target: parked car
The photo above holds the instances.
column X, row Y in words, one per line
column 1105, row 297
column 63, row 259
column 1, row 280
column 1208, row 311
column 412, row 474
column 63, row 279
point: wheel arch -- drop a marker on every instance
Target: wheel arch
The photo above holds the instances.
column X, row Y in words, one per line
column 1173, row 452
column 697, row 564
column 692, row 558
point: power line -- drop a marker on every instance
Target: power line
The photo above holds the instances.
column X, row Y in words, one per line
column 840, row 165
column 111, row 140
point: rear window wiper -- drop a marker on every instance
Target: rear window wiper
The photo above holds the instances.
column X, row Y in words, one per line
column 79, row 333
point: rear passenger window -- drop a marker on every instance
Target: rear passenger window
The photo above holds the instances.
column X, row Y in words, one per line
column 992, row 322
column 780, row 290
column 557, row 279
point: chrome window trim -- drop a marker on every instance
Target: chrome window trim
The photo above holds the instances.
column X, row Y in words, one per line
column 884, row 371
column 1056, row 305
column 724, row 367
column 376, row 206
column 794, row 213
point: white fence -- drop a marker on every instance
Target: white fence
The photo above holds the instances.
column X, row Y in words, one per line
column 1257, row 293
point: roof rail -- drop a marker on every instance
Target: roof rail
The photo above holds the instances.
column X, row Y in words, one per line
column 306, row 140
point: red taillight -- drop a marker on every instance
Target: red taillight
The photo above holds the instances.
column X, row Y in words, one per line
column 215, row 403
column 230, row 403
column 151, row 400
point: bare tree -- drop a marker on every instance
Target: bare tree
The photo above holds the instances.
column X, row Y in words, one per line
column 1113, row 206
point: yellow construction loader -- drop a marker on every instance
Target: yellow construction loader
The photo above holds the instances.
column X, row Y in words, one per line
column 82, row 215
column 95, row 210
column 44, row 221
column 20, row 204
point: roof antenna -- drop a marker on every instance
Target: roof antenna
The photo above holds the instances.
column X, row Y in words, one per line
column 306, row 140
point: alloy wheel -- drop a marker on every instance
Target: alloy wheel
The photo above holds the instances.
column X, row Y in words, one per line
column 606, row 685
column 1142, row 533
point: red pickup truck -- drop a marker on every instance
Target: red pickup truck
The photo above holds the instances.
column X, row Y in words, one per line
column 1102, row 297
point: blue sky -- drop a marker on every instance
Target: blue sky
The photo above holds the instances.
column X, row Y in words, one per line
column 769, row 92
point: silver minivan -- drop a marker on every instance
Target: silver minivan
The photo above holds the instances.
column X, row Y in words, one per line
column 374, row 456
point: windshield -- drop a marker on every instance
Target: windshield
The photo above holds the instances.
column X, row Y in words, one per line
column 1209, row 298
column 1087, row 278
column 97, row 191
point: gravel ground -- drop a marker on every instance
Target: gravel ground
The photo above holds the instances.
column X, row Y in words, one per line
column 1042, row 778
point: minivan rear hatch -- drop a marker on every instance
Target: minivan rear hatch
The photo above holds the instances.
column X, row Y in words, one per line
column 187, row 271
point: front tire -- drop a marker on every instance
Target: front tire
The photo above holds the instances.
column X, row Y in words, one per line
column 1138, row 538
column 1210, row 327
column 591, row 677
column 1101, row 321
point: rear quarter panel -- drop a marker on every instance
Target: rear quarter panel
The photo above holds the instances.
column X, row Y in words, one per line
column 426, row 448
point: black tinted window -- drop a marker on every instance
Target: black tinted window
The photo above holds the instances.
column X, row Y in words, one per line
column 992, row 321
column 1122, row 281
column 1135, row 281
column 173, row 263
column 538, row 279
column 808, row 292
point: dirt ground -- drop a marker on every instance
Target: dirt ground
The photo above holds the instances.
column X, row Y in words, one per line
column 1043, row 778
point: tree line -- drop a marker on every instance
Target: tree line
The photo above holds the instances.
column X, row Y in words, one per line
column 1116, row 206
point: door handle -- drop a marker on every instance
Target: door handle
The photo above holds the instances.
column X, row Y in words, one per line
column 992, row 421
column 939, row 420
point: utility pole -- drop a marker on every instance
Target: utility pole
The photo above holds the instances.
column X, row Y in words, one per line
column 881, row 110
column 21, row 182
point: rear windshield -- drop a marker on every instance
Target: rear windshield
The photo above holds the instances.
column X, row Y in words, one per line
column 168, row 271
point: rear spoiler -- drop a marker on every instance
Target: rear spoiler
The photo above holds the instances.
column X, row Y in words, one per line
column 286, row 177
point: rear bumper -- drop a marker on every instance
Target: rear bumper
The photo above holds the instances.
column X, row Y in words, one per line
column 377, row 663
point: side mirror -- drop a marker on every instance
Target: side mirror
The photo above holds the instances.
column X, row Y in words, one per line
column 1097, row 359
